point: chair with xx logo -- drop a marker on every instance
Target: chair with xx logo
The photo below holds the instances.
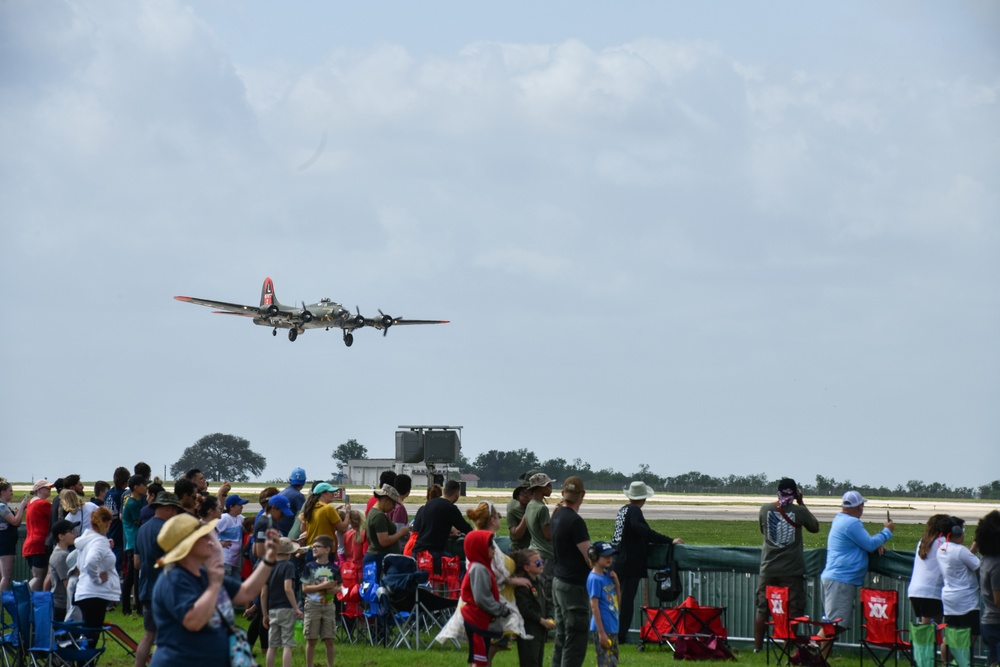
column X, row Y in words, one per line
column 881, row 638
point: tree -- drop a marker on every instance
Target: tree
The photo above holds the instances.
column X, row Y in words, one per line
column 498, row 466
column 221, row 457
column 352, row 449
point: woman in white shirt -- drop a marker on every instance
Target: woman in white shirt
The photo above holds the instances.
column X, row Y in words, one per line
column 959, row 567
column 926, row 581
column 99, row 583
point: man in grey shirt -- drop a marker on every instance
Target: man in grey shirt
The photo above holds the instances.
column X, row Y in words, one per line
column 782, row 560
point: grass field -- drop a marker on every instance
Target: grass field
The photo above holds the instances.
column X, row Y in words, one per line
column 363, row 655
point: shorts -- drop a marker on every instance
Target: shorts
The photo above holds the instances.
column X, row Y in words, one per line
column 838, row 602
column 607, row 656
column 148, row 622
column 40, row 561
column 796, row 594
column 969, row 620
column 8, row 548
column 281, row 630
column 320, row 621
column 927, row 607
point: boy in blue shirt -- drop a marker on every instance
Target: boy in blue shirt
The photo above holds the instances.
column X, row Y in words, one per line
column 605, row 593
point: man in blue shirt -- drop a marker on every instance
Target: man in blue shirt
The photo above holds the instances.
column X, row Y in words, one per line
column 847, row 549
column 296, row 499
column 165, row 506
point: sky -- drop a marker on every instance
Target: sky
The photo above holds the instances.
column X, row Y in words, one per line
column 729, row 237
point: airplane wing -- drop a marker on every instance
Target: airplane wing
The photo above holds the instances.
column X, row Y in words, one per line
column 399, row 320
column 226, row 308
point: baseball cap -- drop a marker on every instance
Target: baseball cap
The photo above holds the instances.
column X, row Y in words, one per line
column 235, row 500
column 63, row 526
column 281, row 502
column 323, row 486
column 41, row 484
column 572, row 486
column 603, row 549
column 787, row 484
column 853, row 499
column 298, row 477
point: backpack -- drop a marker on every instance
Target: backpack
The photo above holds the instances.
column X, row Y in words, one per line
column 668, row 579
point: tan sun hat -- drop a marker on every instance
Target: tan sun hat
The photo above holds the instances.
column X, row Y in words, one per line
column 287, row 546
column 179, row 534
column 638, row 490
column 539, row 479
column 389, row 491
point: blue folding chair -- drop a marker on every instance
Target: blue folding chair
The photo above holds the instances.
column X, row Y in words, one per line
column 10, row 643
column 48, row 642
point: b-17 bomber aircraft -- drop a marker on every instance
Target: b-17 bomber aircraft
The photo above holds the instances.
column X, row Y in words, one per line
column 323, row 315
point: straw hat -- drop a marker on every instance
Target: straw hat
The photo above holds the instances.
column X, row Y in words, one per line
column 179, row 534
column 638, row 490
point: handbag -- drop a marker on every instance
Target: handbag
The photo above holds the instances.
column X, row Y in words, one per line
column 240, row 653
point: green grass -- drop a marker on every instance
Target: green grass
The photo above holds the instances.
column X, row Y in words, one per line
column 363, row 655
column 746, row 533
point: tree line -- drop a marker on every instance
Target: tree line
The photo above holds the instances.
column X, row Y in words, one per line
column 228, row 457
column 497, row 468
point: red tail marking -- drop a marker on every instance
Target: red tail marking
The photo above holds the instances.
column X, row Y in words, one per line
column 267, row 293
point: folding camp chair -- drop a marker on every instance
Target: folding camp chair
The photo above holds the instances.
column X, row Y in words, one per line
column 123, row 639
column 959, row 641
column 10, row 644
column 692, row 632
column 444, row 575
column 924, row 640
column 350, row 602
column 781, row 638
column 879, row 611
column 417, row 612
column 48, row 642
column 373, row 604
column 401, row 577
column 809, row 646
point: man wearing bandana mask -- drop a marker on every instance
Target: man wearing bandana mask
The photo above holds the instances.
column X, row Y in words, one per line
column 782, row 561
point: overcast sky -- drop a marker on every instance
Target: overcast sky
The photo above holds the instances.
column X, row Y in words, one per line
column 729, row 237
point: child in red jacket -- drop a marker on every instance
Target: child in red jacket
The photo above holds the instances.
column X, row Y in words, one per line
column 482, row 608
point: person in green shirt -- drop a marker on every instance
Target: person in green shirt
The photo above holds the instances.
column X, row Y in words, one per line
column 537, row 523
column 383, row 535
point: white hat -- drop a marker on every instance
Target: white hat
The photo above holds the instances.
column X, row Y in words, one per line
column 853, row 499
column 638, row 490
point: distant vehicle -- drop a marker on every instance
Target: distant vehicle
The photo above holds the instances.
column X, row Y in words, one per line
column 322, row 315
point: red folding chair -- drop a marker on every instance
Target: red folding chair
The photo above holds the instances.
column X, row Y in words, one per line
column 781, row 639
column 692, row 631
column 879, row 628
column 451, row 570
column 350, row 598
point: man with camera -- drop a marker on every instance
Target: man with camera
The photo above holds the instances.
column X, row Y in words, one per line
column 782, row 559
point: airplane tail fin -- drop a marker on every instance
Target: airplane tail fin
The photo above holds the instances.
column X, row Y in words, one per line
column 267, row 297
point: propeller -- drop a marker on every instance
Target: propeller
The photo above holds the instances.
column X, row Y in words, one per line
column 386, row 322
column 360, row 319
column 306, row 316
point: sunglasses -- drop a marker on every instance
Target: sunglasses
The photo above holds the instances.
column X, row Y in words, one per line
column 539, row 563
